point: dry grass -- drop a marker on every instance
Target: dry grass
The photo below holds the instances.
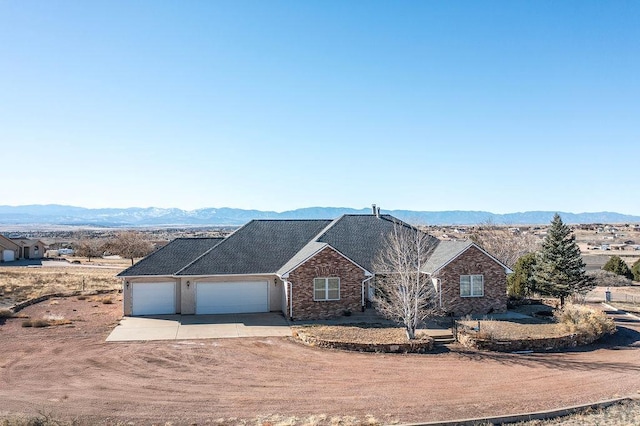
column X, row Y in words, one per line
column 114, row 261
column 22, row 283
column 585, row 321
column 626, row 413
column 572, row 319
column 507, row 330
column 629, row 307
column 365, row 334
column 622, row 414
column 313, row 420
column 47, row 419
column 46, row 321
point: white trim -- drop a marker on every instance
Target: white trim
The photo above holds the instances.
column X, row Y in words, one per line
column 364, row 303
column 263, row 274
column 326, row 289
column 195, row 277
column 153, row 277
column 286, row 274
column 507, row 270
column 471, row 285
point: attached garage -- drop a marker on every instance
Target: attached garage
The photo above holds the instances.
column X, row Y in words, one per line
column 153, row 298
column 8, row 255
column 232, row 297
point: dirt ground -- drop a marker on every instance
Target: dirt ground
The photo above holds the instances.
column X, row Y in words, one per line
column 71, row 373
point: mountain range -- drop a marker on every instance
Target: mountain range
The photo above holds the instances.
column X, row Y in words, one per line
column 53, row 214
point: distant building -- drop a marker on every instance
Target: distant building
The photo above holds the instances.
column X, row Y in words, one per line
column 20, row 248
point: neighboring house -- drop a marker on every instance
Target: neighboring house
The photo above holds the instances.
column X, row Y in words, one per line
column 20, row 248
column 30, row 248
column 9, row 250
column 307, row 269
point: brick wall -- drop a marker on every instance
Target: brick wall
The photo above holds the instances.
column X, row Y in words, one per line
column 474, row 262
column 327, row 263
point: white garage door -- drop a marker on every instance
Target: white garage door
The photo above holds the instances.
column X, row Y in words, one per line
column 8, row 255
column 232, row 297
column 153, row 298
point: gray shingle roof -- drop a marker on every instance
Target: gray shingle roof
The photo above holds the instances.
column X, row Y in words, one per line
column 360, row 237
column 278, row 246
column 171, row 258
column 444, row 253
column 259, row 247
column 300, row 257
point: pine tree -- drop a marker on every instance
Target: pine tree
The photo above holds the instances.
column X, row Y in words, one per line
column 521, row 282
column 559, row 270
column 636, row 270
column 618, row 266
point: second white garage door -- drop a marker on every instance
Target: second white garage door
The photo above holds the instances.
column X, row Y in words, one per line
column 232, row 297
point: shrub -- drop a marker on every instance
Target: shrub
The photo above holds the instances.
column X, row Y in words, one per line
column 618, row 266
column 36, row 323
column 521, row 282
column 6, row 313
column 609, row 279
column 107, row 301
column 590, row 323
column 636, row 270
column 82, row 297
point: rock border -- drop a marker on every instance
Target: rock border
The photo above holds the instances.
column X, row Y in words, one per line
column 21, row 305
column 523, row 417
column 420, row 346
column 544, row 344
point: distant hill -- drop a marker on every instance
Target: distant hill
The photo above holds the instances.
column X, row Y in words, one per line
column 131, row 217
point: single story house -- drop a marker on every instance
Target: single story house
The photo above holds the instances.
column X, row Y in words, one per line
column 306, row 269
column 20, row 248
column 9, row 250
column 30, row 248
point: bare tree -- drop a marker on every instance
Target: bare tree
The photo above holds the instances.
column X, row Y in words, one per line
column 506, row 244
column 404, row 293
column 130, row 244
column 89, row 247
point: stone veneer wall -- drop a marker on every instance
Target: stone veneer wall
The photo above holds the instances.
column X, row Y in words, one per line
column 474, row 262
column 326, row 264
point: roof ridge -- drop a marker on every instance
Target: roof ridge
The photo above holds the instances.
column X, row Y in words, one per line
column 198, row 238
column 208, row 251
column 286, row 220
column 327, row 228
column 150, row 254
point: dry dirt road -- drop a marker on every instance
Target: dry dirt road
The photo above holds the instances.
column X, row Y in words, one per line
column 71, row 373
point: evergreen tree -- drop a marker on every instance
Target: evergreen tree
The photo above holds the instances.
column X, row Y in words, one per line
column 522, row 283
column 560, row 270
column 618, row 266
column 636, row 270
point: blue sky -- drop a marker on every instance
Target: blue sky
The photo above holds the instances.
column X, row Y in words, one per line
column 502, row 106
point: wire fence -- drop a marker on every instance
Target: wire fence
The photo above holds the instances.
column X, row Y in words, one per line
column 618, row 296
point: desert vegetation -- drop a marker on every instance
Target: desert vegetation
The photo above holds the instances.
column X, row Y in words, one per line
column 19, row 283
column 603, row 278
column 620, row 414
column 364, row 338
column 568, row 326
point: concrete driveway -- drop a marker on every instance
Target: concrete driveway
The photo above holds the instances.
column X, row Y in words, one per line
column 179, row 327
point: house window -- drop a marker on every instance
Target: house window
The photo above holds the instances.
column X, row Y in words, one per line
column 326, row 289
column 471, row 286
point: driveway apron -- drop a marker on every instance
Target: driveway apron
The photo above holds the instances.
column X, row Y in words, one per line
column 187, row 327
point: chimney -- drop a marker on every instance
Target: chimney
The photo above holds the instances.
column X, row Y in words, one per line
column 373, row 208
column 378, row 212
